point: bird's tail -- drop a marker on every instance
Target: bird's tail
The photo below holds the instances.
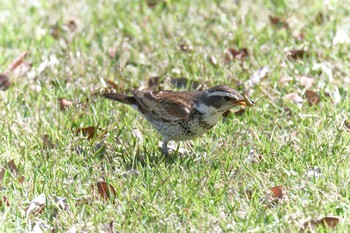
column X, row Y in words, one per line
column 125, row 99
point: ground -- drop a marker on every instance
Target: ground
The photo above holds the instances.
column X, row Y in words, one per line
column 290, row 56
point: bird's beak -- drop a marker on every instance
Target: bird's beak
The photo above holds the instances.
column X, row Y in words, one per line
column 242, row 103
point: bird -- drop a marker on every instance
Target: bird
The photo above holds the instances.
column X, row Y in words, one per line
column 182, row 115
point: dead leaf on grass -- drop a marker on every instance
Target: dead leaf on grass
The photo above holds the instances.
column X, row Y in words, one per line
column 279, row 192
column 306, row 81
column 312, row 97
column 296, row 53
column 106, row 191
column 235, row 54
column 87, row 131
column 328, row 221
column 294, row 98
column 17, row 62
column 278, row 21
column 64, row 103
column 72, row 25
column 108, row 227
column 5, row 82
column 212, row 59
column 37, row 205
column 256, row 77
column 4, row 201
column 12, row 167
column 47, row 143
column 346, row 124
column 2, row 173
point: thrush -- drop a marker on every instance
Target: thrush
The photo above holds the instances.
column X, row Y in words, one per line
column 182, row 115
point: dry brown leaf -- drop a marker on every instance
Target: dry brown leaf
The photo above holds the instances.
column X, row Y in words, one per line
column 296, row 53
column 15, row 63
column 47, row 143
column 328, row 221
column 12, row 167
column 21, row 179
column 312, row 97
column 346, row 124
column 72, row 25
column 278, row 21
column 5, row 82
column 2, row 173
column 234, row 54
column 105, row 190
column 115, row 86
column 279, row 192
column 87, row 131
column 55, row 31
column 64, row 103
column 4, row 201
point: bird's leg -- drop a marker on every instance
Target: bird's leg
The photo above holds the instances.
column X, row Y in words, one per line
column 165, row 148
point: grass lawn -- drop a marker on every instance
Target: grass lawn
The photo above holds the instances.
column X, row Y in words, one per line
column 291, row 55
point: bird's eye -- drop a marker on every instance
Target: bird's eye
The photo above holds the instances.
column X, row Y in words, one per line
column 226, row 98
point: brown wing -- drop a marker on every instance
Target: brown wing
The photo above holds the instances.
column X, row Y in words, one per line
column 164, row 104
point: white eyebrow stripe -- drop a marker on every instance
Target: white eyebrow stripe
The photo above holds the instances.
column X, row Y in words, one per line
column 220, row 93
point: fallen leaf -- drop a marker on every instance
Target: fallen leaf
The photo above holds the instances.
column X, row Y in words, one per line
column 64, row 103
column 4, row 201
column 257, row 75
column 87, row 131
column 12, row 167
column 285, row 79
column 277, row 21
column 328, row 221
column 108, row 227
column 5, row 82
column 105, row 190
column 47, row 143
column 21, row 179
column 234, row 54
column 15, row 63
column 306, row 81
column 213, row 60
column 279, row 192
column 72, row 25
column 115, row 86
column 55, row 31
column 312, row 97
column 346, row 124
column 2, row 173
column 37, row 205
column 296, row 53
column 294, row 98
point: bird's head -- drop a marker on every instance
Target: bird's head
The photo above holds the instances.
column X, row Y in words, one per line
column 222, row 98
